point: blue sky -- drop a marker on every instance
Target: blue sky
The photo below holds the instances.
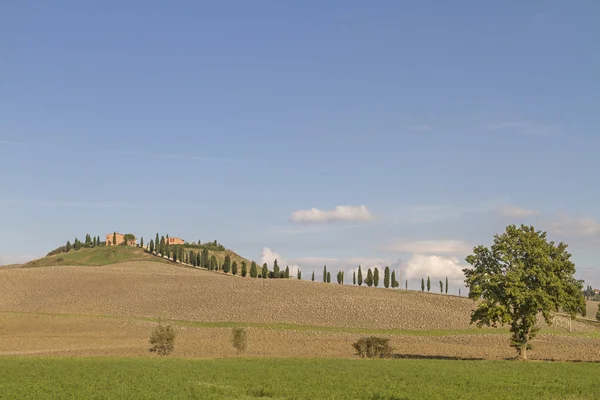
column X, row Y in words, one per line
column 221, row 120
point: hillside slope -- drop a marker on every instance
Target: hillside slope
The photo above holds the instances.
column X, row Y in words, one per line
column 153, row 289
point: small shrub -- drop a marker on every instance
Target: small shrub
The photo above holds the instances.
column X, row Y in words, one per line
column 372, row 347
column 239, row 338
column 162, row 339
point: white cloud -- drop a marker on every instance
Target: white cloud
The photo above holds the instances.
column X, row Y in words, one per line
column 7, row 259
column 510, row 211
column 430, row 246
column 436, row 267
column 571, row 225
column 339, row 213
column 269, row 256
column 525, row 128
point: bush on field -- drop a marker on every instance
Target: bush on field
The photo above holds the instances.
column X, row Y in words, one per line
column 372, row 347
column 239, row 338
column 162, row 339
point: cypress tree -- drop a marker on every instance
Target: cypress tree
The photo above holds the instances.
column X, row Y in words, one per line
column 328, row 277
column 325, row 273
column 214, row 264
column 151, row 246
column 142, row 242
column 275, row 269
column 94, row 241
column 68, row 246
column 441, row 287
column 299, row 274
column 161, row 248
column 205, row 262
column 338, row 277
column 360, row 280
column 198, row 259
column 98, row 241
column 369, row 280
column 386, row 277
column 446, row 285
column 376, row 277
column 395, row 283
column 406, row 284
column 174, row 256
column 342, row 277
column 287, row 272
column 354, row 278
column 313, row 276
column 234, row 268
column 227, row 264
column 244, row 269
column 193, row 259
column 88, row 240
column 598, row 313
column 156, row 243
column 253, row 270
column 428, row 284
column 422, row 285
column 458, row 292
column 265, row 271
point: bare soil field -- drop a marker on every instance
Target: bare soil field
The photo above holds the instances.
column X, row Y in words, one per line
column 107, row 310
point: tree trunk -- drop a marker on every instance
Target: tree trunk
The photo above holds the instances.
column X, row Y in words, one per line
column 522, row 354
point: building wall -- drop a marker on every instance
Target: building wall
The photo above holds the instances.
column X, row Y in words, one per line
column 173, row 240
column 120, row 239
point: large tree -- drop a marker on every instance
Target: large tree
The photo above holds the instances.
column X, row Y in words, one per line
column 518, row 277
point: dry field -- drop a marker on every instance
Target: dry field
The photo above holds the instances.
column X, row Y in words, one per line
column 109, row 310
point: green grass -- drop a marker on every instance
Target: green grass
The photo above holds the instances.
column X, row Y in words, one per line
column 171, row 378
column 95, row 257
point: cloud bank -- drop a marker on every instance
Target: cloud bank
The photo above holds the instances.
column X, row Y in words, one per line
column 429, row 247
column 339, row 213
column 511, row 211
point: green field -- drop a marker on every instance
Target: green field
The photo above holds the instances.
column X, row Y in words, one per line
column 171, row 378
column 104, row 255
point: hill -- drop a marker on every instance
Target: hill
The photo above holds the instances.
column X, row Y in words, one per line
column 110, row 309
column 106, row 255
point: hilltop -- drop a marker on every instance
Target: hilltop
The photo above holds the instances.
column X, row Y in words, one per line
column 106, row 255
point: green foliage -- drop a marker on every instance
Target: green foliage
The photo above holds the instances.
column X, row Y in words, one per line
column 386, row 277
column 239, row 339
column 369, row 280
column 446, row 285
column 354, row 277
column 46, row 378
column 265, row 271
column 441, row 287
column 325, row 273
column 328, row 277
column 156, row 244
column 518, row 277
column 162, row 339
column 372, row 347
column 68, row 246
column 313, row 276
column 174, row 256
column 234, row 268
column 151, row 246
column 244, row 269
column 339, row 277
column 376, row 277
column 114, row 241
column 428, row 284
column 205, row 259
column 253, row 270
column 142, row 242
column 227, row 264
column 162, row 248
column 299, row 274
column 275, row 269
column 406, row 284
column 395, row 283
column 287, row 272
column 598, row 313
column 422, row 285
column 213, row 264
column 360, row 277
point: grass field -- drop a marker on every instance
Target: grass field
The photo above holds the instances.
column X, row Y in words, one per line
column 114, row 378
column 99, row 256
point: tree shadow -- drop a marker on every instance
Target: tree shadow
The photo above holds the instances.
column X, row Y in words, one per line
column 433, row 357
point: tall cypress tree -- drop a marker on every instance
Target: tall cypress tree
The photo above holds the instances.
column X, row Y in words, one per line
column 313, row 276
column 156, row 243
column 151, row 246
column 287, row 271
column 376, row 277
column 234, row 268
column 265, row 271
column 275, row 269
column 422, row 285
column 198, row 259
column 244, row 269
column 446, row 285
column 369, row 280
column 227, row 264
column 161, row 247
column 441, row 287
column 213, row 263
column 406, row 284
column 338, row 277
column 328, row 277
column 325, row 273
column 386, row 277
column 428, row 284
column 205, row 258
column 68, row 246
column 142, row 242
column 253, row 270
column 360, row 279
column 354, row 278
column 395, row 283
column 114, row 238
column 299, row 274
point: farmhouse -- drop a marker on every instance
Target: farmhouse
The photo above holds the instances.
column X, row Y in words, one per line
column 173, row 240
column 120, row 238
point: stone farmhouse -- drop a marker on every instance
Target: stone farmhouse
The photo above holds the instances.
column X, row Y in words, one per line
column 120, row 239
column 173, row 240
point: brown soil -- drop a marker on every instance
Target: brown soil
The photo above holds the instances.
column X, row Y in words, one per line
column 147, row 289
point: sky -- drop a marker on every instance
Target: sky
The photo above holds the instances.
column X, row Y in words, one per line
column 397, row 133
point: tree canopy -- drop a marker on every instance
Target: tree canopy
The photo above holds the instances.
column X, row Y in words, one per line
column 518, row 277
